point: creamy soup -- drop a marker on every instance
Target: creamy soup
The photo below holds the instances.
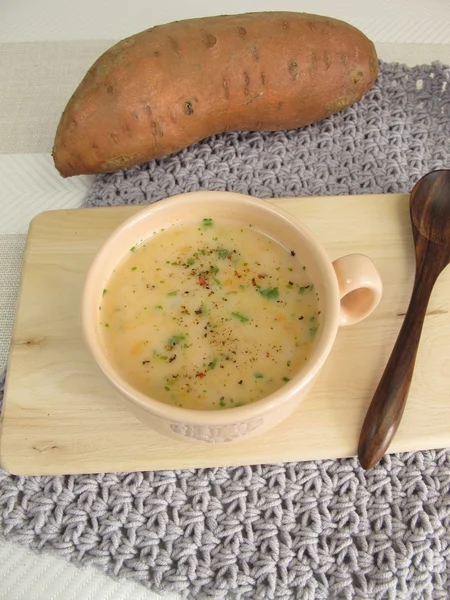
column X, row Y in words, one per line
column 209, row 315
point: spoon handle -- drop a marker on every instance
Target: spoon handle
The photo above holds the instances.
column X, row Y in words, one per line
column 386, row 409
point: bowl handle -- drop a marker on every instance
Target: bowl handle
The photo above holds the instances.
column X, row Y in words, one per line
column 360, row 287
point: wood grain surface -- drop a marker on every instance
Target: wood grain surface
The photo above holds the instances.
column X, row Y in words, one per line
column 61, row 417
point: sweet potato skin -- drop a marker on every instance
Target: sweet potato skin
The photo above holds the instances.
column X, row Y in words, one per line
column 165, row 88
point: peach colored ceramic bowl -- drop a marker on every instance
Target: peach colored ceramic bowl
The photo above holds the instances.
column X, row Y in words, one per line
column 349, row 290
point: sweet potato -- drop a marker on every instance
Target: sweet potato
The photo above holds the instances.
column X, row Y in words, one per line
column 165, row 88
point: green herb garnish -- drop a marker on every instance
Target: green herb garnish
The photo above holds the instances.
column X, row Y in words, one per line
column 223, row 253
column 104, row 292
column 133, row 268
column 208, row 223
column 241, row 318
column 270, row 293
column 176, row 339
column 286, row 379
column 133, row 248
column 259, row 375
column 172, row 293
column 190, row 261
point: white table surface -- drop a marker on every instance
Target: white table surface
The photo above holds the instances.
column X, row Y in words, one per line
column 46, row 46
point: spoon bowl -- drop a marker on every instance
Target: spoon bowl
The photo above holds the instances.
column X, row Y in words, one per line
column 430, row 209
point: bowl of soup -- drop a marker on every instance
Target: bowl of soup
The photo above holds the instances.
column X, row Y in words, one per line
column 212, row 313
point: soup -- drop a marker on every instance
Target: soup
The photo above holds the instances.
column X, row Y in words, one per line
column 209, row 315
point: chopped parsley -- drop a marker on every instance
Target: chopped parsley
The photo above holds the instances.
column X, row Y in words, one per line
column 223, row 253
column 241, row 318
column 176, row 339
column 270, row 293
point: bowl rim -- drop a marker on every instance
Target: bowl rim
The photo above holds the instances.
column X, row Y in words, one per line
column 204, row 416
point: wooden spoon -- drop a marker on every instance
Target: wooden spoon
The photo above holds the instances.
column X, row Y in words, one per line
column 429, row 208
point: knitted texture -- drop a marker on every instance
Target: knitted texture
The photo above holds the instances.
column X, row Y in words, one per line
column 323, row 530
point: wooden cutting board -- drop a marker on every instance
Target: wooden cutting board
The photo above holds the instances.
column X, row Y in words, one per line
column 61, row 417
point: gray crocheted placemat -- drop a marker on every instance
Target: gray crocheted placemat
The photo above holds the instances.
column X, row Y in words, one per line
column 317, row 530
